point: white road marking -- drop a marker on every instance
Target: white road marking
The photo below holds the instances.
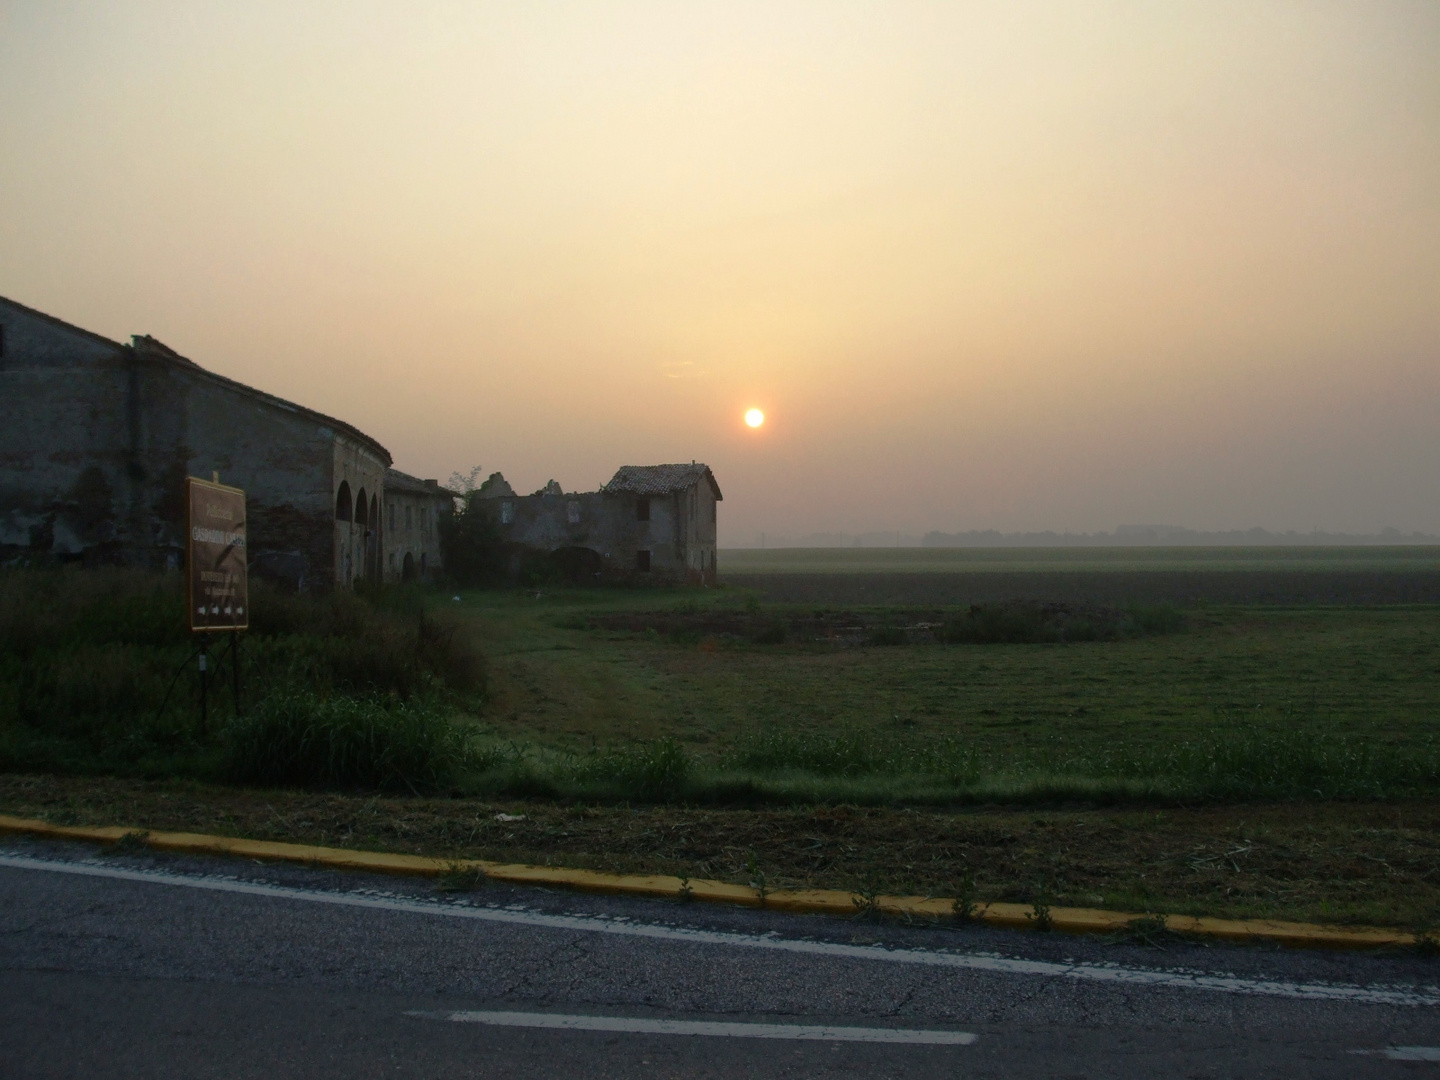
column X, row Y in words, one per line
column 809, row 1032
column 1105, row 973
column 1411, row 1053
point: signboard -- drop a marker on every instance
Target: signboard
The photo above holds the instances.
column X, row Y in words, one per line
column 216, row 586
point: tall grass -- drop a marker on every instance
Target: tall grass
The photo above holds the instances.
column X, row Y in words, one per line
column 97, row 673
column 866, row 768
column 383, row 744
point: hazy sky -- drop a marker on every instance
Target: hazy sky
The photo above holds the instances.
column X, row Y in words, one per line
column 998, row 265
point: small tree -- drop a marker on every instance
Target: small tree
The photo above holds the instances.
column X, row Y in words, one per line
column 470, row 541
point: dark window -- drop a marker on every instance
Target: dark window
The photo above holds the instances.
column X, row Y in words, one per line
column 642, row 561
column 342, row 502
column 362, row 509
column 642, row 513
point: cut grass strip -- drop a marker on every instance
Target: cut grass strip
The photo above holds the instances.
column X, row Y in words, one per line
column 1332, row 863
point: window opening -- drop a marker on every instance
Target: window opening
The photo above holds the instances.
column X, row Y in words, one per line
column 642, row 509
column 642, row 561
column 572, row 512
column 507, row 512
column 342, row 502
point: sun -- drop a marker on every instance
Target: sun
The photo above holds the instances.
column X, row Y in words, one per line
column 754, row 418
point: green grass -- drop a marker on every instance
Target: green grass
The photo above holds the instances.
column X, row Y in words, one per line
column 1237, row 703
column 714, row 697
column 746, row 561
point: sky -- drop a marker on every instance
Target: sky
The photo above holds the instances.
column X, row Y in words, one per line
column 1001, row 265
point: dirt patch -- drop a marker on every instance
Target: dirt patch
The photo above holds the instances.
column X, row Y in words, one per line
column 1333, row 862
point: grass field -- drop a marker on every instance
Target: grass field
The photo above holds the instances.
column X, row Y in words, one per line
column 1238, row 702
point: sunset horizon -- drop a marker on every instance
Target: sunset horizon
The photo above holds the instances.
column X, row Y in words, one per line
column 994, row 267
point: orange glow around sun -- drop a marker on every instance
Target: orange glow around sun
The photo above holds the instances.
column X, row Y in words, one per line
column 754, row 418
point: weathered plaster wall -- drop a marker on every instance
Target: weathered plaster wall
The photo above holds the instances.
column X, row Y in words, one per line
column 359, row 542
column 698, row 506
column 96, row 440
column 412, row 527
column 64, row 443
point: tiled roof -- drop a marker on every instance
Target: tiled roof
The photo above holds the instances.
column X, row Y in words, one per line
column 395, row 480
column 660, row 479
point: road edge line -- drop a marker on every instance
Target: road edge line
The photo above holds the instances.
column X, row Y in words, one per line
column 800, row 901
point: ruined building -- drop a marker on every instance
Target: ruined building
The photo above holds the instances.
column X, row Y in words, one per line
column 96, row 439
column 648, row 521
column 411, row 528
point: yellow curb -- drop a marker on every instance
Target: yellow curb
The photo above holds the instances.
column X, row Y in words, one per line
column 808, row 901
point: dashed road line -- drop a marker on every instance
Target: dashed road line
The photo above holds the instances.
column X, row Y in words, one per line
column 720, row 1029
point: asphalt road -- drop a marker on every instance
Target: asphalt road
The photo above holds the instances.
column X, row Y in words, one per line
column 139, row 965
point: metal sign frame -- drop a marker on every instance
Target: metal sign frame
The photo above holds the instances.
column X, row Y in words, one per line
column 217, row 587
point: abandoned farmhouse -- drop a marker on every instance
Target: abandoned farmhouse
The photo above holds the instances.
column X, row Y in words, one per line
column 97, row 438
column 649, row 519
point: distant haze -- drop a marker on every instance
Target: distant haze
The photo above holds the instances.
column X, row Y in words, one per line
column 1002, row 266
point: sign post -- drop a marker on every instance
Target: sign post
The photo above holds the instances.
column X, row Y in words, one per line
column 217, row 590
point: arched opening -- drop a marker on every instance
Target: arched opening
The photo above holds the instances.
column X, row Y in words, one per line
column 407, row 571
column 423, row 567
column 577, row 564
column 342, row 502
column 362, row 509
column 373, row 556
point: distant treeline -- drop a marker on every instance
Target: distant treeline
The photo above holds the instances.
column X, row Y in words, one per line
column 1169, row 536
column 1123, row 536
